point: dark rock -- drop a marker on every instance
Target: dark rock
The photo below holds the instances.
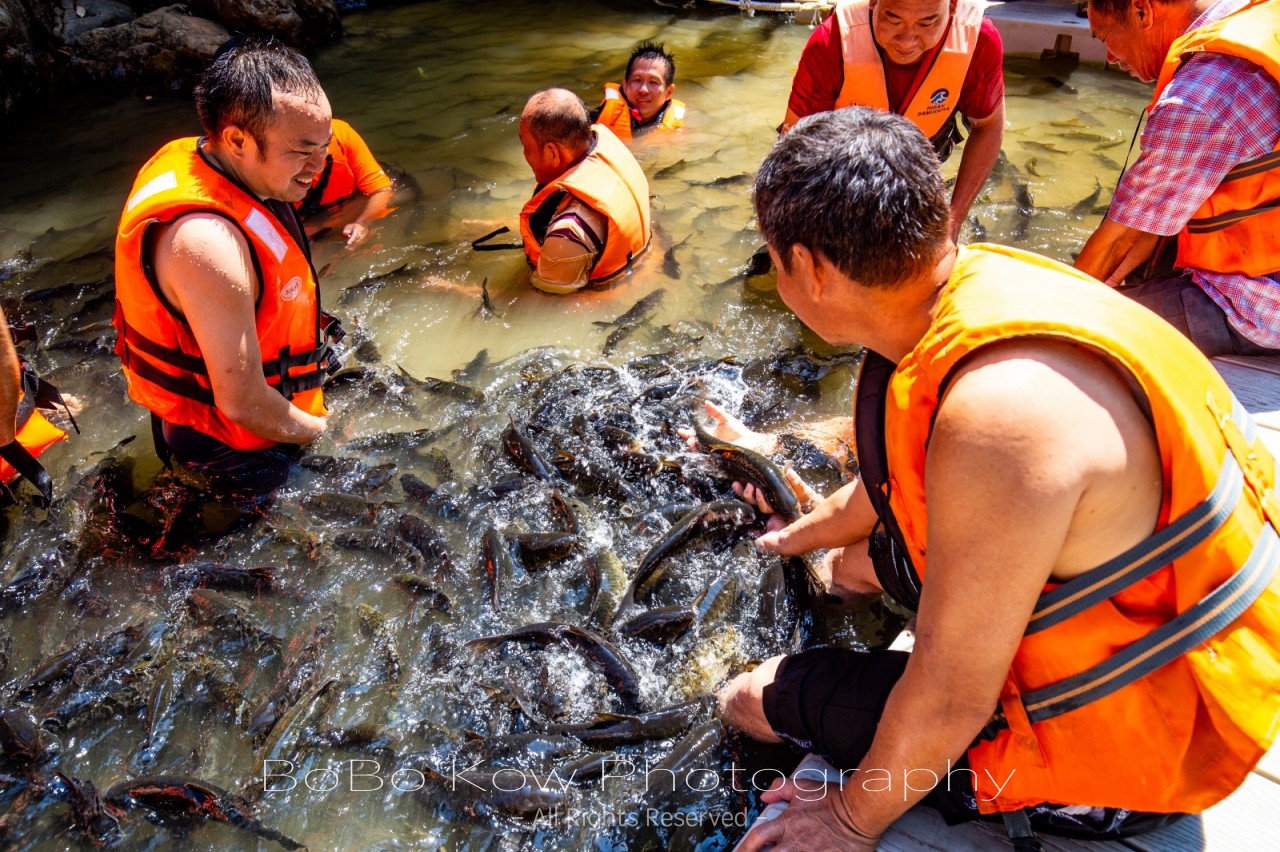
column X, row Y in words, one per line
column 301, row 23
column 164, row 49
column 80, row 16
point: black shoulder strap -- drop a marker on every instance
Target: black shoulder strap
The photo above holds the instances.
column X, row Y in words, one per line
column 887, row 548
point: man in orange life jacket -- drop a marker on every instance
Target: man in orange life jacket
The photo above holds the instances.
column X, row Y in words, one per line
column 643, row 101
column 221, row 334
column 1193, row 231
column 588, row 219
column 349, row 168
column 929, row 60
column 1082, row 518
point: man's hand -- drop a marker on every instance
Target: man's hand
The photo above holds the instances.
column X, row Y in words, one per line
column 726, row 427
column 356, row 233
column 814, row 820
column 775, row 529
column 1115, row 250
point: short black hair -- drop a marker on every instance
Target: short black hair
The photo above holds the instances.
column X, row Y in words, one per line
column 649, row 50
column 558, row 115
column 239, row 86
column 861, row 187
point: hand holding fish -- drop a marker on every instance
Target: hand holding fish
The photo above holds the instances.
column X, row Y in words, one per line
column 807, row 497
column 726, row 427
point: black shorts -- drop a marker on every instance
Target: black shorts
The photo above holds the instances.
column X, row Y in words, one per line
column 829, row 701
column 232, row 472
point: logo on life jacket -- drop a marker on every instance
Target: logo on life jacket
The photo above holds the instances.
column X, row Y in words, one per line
column 939, row 97
column 290, row 290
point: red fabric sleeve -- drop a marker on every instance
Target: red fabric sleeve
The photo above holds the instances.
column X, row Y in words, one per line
column 369, row 174
column 984, row 84
column 820, row 73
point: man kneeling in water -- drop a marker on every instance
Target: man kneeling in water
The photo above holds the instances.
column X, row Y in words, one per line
column 588, row 219
column 1089, row 516
column 643, row 102
column 218, row 308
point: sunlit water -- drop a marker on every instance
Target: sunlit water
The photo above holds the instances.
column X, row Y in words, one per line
column 436, row 89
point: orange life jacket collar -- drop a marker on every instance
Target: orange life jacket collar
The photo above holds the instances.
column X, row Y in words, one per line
column 616, row 112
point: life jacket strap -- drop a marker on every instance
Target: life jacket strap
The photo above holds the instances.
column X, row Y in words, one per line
column 31, row 470
column 1200, row 622
column 324, row 357
column 1017, row 824
column 482, row 243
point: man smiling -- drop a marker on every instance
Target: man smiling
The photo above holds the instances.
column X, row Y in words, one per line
column 218, row 308
column 927, row 60
column 644, row 101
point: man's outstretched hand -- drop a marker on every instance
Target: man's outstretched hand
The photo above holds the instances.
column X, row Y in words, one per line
column 726, row 427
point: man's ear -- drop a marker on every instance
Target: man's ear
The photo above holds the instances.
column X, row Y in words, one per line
column 1143, row 11
column 236, row 141
column 810, row 268
column 671, row 90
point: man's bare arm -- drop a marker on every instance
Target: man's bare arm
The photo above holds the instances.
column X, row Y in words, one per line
column 981, row 150
column 202, row 263
column 374, row 206
column 10, row 387
column 1115, row 250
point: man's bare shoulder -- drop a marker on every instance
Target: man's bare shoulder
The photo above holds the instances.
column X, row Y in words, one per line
column 200, row 253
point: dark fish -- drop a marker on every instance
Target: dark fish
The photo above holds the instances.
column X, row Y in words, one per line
column 478, row 793
column 695, row 744
column 373, row 625
column 474, row 367
column 23, row 742
column 608, row 659
column 438, row 463
column 715, row 599
column 415, row 488
column 1085, row 206
column 374, row 478
column 440, row 387
column 525, row 454
column 375, row 541
column 594, row 475
column 759, row 264
column 976, row 228
column 88, row 814
column 708, row 521
column 422, row 589
column 433, row 547
column 537, row 746
column 495, row 556
column 671, row 170
column 1041, row 147
column 336, row 506
column 538, row 549
column 372, row 281
column 220, row 612
column 806, row 602
column 365, row 739
column 299, row 677
column 183, row 800
column 673, row 512
column 606, row 579
column 398, row 440
column 610, row 730
column 671, row 266
column 67, row 663
column 221, row 576
column 731, row 182
column 749, row 466
column 486, row 309
column 616, row 337
column 660, row 625
column 589, row 767
column 560, row 506
column 6, row 650
column 638, row 312
column 330, row 465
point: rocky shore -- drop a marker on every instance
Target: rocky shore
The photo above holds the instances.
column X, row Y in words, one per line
column 47, row 46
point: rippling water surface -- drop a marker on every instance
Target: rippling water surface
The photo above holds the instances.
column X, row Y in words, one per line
column 437, row 88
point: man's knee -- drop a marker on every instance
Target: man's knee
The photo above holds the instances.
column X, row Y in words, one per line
column 742, row 701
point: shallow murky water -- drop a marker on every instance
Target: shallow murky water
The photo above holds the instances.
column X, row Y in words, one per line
column 436, row 88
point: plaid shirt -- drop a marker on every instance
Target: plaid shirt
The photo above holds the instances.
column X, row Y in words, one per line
column 1218, row 112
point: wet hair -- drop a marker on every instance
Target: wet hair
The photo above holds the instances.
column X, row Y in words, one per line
column 649, row 50
column 558, row 115
column 862, row 188
column 1119, row 9
column 239, row 87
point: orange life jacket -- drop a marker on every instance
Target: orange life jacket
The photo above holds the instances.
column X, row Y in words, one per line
column 1237, row 228
column 1153, row 681
column 609, row 181
column 337, row 180
column 35, row 433
column 931, row 105
column 615, row 113
column 162, row 362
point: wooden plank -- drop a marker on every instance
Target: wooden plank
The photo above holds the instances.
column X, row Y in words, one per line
column 921, row 829
column 1258, row 390
column 1265, row 363
column 1269, row 766
column 1247, row 821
